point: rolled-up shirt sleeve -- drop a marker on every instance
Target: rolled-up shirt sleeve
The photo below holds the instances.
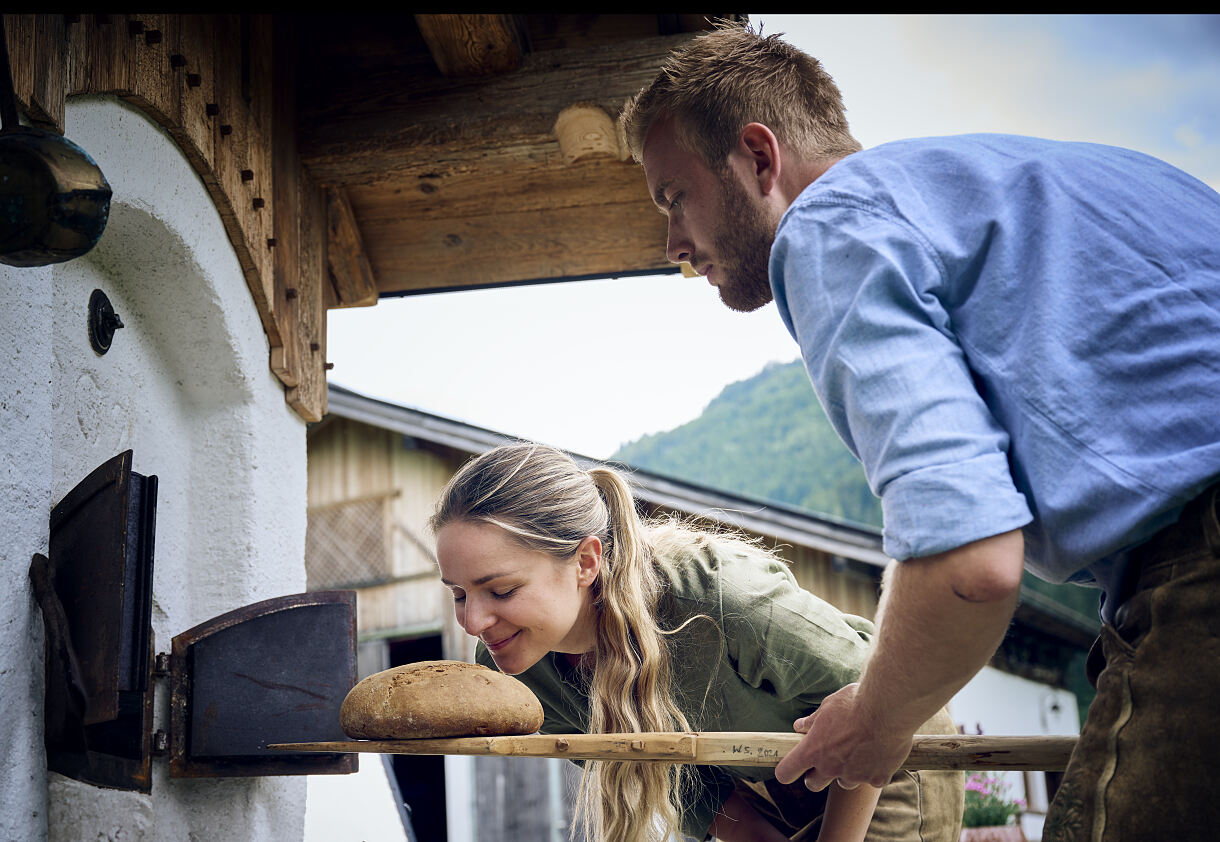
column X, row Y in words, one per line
column 861, row 292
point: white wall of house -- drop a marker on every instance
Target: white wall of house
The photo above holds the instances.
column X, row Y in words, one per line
column 186, row 386
column 998, row 703
column 25, row 503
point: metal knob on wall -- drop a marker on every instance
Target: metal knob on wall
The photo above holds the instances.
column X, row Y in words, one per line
column 54, row 200
column 103, row 322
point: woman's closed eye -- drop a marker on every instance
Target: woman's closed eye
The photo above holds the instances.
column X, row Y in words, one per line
column 460, row 596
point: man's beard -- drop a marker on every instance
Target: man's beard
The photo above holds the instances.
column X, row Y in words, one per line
column 743, row 249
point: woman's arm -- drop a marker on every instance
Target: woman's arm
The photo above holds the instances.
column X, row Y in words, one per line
column 848, row 813
column 737, row 821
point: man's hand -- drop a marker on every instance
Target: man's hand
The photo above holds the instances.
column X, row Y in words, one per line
column 941, row 617
column 842, row 742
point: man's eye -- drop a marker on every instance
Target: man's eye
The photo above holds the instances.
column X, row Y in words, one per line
column 675, row 201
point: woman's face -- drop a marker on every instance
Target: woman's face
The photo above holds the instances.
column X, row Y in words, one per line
column 521, row 603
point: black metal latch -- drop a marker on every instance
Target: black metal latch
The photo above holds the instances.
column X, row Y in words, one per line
column 274, row 671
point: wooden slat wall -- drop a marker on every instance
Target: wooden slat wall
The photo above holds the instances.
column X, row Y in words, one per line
column 846, row 590
column 349, row 461
column 210, row 82
column 419, row 475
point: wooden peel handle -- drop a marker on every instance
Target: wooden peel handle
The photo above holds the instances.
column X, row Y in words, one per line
column 929, row 753
column 727, row 748
column 1045, row 754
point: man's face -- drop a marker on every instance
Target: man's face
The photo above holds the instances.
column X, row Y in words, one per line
column 714, row 223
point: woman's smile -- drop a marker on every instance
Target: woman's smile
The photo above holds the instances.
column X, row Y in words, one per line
column 498, row 645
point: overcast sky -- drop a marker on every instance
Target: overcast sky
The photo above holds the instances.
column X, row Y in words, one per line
column 588, row 366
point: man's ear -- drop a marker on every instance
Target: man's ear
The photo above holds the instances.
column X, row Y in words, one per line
column 760, row 146
column 588, row 560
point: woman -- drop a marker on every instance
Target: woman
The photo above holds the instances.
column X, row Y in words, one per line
column 623, row 626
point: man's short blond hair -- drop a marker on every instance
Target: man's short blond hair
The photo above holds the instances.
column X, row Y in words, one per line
column 733, row 76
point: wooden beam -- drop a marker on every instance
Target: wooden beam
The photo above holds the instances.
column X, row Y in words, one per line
column 505, row 249
column 285, row 242
column 365, row 129
column 506, row 222
column 351, row 277
column 473, row 45
column 308, row 397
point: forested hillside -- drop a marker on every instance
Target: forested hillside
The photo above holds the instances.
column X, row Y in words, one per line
column 764, row 437
column 767, row 437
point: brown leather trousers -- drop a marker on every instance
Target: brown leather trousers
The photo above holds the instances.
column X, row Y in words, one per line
column 1145, row 768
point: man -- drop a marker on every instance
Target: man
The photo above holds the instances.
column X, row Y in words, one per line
column 1020, row 340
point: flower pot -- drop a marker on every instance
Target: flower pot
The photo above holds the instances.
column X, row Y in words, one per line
column 1007, row 833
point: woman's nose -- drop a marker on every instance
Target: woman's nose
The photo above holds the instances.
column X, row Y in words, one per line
column 475, row 618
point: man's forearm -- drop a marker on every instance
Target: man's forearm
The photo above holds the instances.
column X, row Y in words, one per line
column 941, row 620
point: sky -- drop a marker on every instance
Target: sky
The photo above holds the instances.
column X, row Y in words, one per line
column 590, row 365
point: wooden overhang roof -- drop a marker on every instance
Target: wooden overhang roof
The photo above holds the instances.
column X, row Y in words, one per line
column 442, row 131
column 357, row 156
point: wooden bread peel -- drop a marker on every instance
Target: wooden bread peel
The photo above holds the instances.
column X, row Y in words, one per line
column 723, row 748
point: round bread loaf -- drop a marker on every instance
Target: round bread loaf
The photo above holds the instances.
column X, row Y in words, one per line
column 439, row 699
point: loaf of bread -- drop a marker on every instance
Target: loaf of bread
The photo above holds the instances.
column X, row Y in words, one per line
column 439, row 699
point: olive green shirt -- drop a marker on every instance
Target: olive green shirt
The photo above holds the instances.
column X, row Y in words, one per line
column 759, row 653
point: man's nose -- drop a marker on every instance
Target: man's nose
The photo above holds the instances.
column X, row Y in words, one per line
column 677, row 247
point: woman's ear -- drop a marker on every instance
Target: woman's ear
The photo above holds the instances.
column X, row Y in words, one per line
column 588, row 560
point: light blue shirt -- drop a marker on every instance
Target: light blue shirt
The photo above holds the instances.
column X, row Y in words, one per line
column 1011, row 332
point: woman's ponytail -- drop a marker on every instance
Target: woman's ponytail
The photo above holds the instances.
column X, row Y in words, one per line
column 630, row 689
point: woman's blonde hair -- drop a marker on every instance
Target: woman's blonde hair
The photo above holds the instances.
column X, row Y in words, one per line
column 732, row 76
column 546, row 502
